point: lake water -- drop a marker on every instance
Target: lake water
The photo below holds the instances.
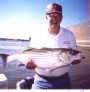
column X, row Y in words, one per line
column 79, row 74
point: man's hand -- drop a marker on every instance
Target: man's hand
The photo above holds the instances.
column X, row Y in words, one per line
column 78, row 59
column 30, row 65
column 76, row 62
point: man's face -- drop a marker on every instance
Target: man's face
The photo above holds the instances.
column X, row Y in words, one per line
column 53, row 19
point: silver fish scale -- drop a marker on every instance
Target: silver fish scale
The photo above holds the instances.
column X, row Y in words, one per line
column 51, row 50
column 46, row 58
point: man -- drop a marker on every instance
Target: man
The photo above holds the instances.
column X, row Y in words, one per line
column 55, row 37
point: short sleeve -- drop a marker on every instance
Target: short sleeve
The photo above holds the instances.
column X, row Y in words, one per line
column 73, row 41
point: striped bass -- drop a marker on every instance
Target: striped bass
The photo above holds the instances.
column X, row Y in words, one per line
column 46, row 58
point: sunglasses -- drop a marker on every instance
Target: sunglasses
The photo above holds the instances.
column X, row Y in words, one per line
column 53, row 14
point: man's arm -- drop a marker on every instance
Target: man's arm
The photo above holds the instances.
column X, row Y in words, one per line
column 78, row 57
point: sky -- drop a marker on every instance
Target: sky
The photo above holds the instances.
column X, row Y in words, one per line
column 18, row 18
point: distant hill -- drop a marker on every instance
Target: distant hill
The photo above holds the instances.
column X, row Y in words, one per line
column 80, row 31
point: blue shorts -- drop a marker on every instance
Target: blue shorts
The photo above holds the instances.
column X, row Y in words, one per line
column 63, row 82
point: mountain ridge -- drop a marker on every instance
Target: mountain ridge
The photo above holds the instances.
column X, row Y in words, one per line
column 80, row 31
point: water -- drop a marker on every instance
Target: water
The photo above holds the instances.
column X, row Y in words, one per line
column 12, row 71
column 11, row 47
